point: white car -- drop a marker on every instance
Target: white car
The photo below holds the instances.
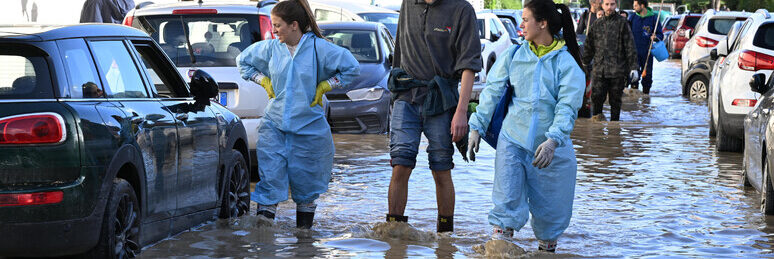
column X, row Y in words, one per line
column 494, row 40
column 217, row 33
column 731, row 99
column 712, row 27
column 344, row 11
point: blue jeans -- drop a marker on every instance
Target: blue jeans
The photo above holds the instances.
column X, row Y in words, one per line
column 407, row 126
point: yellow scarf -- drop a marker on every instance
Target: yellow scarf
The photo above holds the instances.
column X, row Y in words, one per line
column 541, row 50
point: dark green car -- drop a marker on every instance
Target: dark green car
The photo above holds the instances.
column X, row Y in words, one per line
column 104, row 147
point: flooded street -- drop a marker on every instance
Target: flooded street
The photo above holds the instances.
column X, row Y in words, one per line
column 650, row 185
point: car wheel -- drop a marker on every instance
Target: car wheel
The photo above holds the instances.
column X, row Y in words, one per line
column 726, row 142
column 236, row 195
column 120, row 235
column 767, row 191
column 697, row 88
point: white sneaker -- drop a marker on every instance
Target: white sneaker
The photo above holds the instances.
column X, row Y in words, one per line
column 502, row 234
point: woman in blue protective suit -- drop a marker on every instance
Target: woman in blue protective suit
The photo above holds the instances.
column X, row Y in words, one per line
column 535, row 163
column 295, row 146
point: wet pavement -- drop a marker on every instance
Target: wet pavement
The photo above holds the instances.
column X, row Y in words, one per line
column 650, row 185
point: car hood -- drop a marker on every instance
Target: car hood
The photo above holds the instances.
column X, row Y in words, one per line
column 371, row 74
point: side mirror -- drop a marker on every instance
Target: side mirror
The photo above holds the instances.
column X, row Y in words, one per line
column 495, row 36
column 714, row 54
column 203, row 87
column 757, row 83
column 722, row 47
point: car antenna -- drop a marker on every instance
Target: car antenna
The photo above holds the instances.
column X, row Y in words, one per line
column 188, row 41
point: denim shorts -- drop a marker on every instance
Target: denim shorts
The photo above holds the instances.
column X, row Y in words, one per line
column 407, row 126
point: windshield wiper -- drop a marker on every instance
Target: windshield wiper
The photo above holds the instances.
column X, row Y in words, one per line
column 188, row 42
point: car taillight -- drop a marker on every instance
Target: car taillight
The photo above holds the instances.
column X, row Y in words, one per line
column 705, row 42
column 37, row 128
column 266, row 28
column 195, row 11
column 37, row 198
column 744, row 102
column 754, row 61
column 128, row 20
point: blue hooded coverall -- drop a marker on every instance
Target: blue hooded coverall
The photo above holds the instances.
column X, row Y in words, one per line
column 548, row 91
column 294, row 145
column 642, row 29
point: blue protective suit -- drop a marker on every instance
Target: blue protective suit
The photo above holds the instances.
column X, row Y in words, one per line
column 294, row 145
column 548, row 91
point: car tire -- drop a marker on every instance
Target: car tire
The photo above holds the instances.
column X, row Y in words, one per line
column 697, row 88
column 236, row 194
column 726, row 142
column 120, row 234
column 767, row 192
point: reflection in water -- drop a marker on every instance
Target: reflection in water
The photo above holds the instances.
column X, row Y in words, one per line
column 651, row 184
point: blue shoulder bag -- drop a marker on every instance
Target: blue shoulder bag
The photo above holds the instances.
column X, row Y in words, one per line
column 493, row 131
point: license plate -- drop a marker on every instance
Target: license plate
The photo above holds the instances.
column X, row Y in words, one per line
column 223, row 98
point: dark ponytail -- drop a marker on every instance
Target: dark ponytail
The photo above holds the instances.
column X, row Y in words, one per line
column 297, row 11
column 546, row 10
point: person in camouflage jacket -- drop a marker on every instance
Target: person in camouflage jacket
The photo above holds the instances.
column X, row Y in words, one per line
column 610, row 45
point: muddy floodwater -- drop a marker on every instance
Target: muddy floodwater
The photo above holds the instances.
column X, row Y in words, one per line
column 650, row 185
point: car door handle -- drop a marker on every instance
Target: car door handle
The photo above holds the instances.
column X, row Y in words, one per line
column 182, row 116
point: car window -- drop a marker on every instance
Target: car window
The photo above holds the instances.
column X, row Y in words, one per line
column 764, row 38
column 390, row 20
column 691, row 21
column 386, row 44
column 671, row 24
column 738, row 40
column 509, row 27
column 216, row 40
column 164, row 77
column 361, row 43
column 324, row 15
column 720, row 25
column 492, row 26
column 118, row 71
column 480, row 25
column 83, row 81
column 24, row 73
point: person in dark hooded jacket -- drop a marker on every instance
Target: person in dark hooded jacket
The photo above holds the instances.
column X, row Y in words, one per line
column 105, row 11
column 643, row 24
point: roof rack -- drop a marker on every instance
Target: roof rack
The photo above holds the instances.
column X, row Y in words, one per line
column 764, row 12
column 263, row 3
column 143, row 4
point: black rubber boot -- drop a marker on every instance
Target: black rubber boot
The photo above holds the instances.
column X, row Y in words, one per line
column 304, row 219
column 265, row 213
column 445, row 224
column 396, row 218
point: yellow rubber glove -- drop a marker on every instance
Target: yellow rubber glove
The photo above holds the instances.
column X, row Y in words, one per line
column 322, row 88
column 266, row 83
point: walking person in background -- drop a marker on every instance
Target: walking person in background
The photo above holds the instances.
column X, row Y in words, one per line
column 437, row 48
column 535, row 164
column 105, row 11
column 588, row 17
column 610, row 46
column 295, row 145
column 645, row 28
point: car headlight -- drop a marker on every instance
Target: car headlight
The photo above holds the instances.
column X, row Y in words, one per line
column 366, row 94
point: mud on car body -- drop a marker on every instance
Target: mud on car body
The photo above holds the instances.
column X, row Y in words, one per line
column 103, row 147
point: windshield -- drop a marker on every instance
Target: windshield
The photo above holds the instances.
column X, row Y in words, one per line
column 390, row 20
column 361, row 43
column 722, row 25
column 216, row 40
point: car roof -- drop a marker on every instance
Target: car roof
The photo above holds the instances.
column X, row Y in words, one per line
column 354, row 7
column 730, row 14
column 226, row 7
column 42, row 32
column 350, row 25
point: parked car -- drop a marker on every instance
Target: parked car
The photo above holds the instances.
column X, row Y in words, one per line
column 217, row 32
column 511, row 20
column 712, row 26
column 752, row 51
column 338, row 11
column 105, row 148
column 683, row 32
column 758, row 150
column 364, row 105
column 494, row 40
column 695, row 80
column 669, row 27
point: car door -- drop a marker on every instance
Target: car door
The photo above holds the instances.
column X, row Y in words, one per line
column 153, row 129
column 197, row 177
column 755, row 128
